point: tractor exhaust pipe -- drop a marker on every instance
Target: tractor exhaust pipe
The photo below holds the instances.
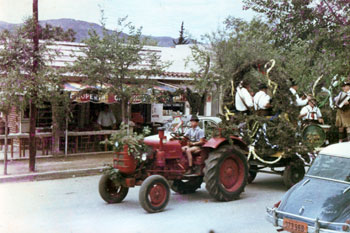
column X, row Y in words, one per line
column 160, row 155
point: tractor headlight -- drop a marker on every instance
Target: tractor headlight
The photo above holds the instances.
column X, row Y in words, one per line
column 144, row 156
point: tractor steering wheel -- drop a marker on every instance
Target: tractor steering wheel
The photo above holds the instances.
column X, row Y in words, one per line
column 177, row 136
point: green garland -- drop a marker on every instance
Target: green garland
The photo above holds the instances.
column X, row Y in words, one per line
column 134, row 141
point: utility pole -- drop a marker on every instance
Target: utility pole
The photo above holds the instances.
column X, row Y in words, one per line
column 32, row 107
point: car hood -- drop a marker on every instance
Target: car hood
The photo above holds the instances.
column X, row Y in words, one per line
column 318, row 198
column 155, row 137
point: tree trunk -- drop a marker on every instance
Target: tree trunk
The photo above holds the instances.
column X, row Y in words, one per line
column 6, row 144
column 128, row 107
column 124, row 119
column 32, row 126
column 56, row 132
column 202, row 103
column 196, row 102
column 32, row 137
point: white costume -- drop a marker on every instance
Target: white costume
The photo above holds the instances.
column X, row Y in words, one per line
column 242, row 94
column 261, row 99
column 298, row 101
column 312, row 113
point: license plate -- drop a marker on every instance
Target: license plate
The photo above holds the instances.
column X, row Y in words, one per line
column 294, row 226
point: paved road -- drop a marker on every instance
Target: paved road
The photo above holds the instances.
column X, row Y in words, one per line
column 74, row 205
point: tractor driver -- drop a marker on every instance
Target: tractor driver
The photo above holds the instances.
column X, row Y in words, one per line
column 196, row 139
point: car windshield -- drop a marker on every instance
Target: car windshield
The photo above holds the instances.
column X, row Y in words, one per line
column 331, row 167
column 179, row 125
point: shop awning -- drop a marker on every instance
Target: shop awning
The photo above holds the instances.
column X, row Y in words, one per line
column 82, row 93
column 166, row 87
column 79, row 93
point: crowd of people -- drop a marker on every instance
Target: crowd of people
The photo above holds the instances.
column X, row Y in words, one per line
column 246, row 103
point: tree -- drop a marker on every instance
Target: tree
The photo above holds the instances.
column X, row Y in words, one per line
column 204, row 79
column 320, row 28
column 49, row 32
column 182, row 38
column 118, row 62
column 16, row 65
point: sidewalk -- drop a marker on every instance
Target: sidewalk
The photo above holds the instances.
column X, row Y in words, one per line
column 49, row 167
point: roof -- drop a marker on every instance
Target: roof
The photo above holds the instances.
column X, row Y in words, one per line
column 338, row 149
column 180, row 67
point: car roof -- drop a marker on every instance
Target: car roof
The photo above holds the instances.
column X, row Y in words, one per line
column 338, row 149
column 215, row 119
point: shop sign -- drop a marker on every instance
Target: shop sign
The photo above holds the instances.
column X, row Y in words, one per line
column 137, row 99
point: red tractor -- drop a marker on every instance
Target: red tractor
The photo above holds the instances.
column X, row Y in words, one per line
column 222, row 166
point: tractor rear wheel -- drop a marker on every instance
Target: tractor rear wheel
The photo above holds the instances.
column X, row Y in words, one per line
column 154, row 193
column 110, row 191
column 226, row 173
column 187, row 186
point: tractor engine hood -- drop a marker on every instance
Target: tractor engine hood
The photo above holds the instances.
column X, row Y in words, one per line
column 318, row 198
column 172, row 148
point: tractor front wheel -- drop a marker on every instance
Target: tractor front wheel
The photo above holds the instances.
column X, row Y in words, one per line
column 226, row 173
column 110, row 191
column 154, row 193
column 186, row 186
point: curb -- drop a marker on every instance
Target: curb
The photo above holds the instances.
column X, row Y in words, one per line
column 72, row 173
column 49, row 157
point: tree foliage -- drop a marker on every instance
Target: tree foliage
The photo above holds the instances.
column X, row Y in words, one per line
column 20, row 85
column 16, row 65
column 49, row 32
column 318, row 29
column 182, row 39
column 120, row 63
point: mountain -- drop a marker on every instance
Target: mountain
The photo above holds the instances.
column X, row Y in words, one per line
column 82, row 28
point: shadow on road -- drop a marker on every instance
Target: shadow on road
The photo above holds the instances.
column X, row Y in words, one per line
column 268, row 181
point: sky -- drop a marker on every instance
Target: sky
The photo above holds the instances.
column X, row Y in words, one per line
column 157, row 17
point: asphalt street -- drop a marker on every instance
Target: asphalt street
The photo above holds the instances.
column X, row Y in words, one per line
column 74, row 205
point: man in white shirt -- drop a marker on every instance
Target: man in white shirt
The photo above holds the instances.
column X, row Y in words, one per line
column 262, row 101
column 106, row 118
column 243, row 99
column 311, row 113
column 298, row 101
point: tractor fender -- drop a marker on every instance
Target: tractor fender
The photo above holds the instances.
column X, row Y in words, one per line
column 214, row 143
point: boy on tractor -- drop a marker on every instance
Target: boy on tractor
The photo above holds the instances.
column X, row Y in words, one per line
column 196, row 138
